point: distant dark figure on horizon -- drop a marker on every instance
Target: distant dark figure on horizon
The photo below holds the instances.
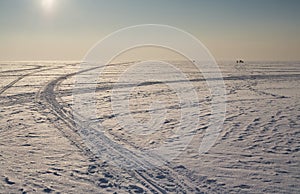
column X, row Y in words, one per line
column 239, row 61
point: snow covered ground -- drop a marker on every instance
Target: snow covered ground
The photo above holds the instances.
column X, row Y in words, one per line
column 43, row 150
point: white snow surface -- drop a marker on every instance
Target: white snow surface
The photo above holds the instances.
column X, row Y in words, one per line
column 46, row 146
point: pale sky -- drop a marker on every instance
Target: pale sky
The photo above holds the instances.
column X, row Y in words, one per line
column 230, row 29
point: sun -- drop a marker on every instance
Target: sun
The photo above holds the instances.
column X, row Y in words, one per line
column 48, row 5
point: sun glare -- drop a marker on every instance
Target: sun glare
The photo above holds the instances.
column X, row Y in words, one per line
column 48, row 5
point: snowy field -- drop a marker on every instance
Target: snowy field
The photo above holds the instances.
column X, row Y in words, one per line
column 42, row 150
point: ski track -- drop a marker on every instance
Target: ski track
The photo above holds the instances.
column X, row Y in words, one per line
column 47, row 94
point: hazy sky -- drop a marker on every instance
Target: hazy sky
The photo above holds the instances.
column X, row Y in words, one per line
column 230, row 29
